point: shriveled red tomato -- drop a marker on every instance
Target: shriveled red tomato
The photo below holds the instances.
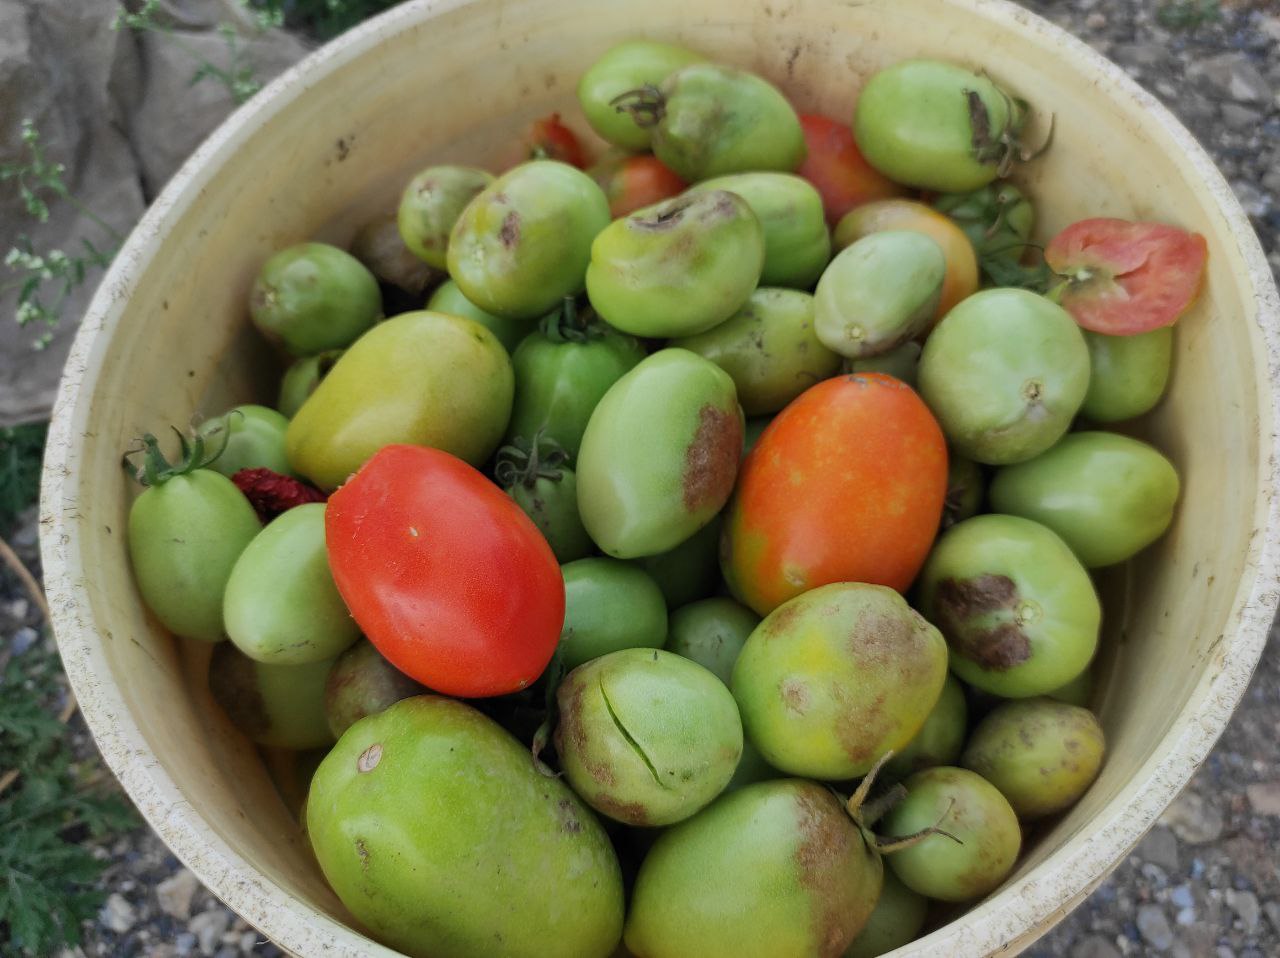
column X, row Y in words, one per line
column 845, row 485
column 634, row 182
column 549, row 139
column 837, row 170
column 1124, row 278
column 443, row 572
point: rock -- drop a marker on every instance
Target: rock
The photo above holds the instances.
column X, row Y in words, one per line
column 1239, row 117
column 1182, row 897
column 1272, row 910
column 117, row 914
column 1245, row 905
column 209, row 927
column 175, row 893
column 249, row 941
column 1193, row 819
column 1264, row 797
column 23, row 640
column 1271, row 180
column 1224, row 951
column 1154, row 927
column 1140, row 54
column 1159, row 847
column 1095, row 946
column 185, row 942
column 1234, row 75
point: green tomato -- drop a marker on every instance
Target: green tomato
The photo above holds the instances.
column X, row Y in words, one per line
column 997, row 218
column 769, row 349
column 361, row 682
column 797, row 243
column 933, row 125
column 625, row 68
column 896, row 921
column 966, row 489
column 690, row 570
column 280, row 706
column 677, row 268
column 940, row 740
column 641, row 498
column 441, row 837
column 1042, row 755
column 712, row 633
column 281, row 605
column 1017, row 608
column 1106, row 495
column 431, row 205
column 902, row 362
column 1129, row 373
column 313, row 297
column 185, row 535
column 1005, row 372
column 379, row 247
column 608, row 606
column 1079, row 691
column 411, row 379
column 250, row 437
column 968, row 808
column 879, row 292
column 714, row 120
column 552, row 504
column 448, row 298
column 647, row 737
column 522, row 244
column 562, row 372
column 301, row 379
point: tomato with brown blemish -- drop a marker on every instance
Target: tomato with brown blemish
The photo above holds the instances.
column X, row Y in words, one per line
column 846, row 485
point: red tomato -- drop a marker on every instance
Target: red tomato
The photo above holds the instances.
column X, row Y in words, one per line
column 846, row 484
column 549, row 139
column 1125, row 278
column 836, row 168
column 444, row 573
column 634, row 182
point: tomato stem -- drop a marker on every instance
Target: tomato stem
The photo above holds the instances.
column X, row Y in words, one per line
column 157, row 470
column 646, row 104
column 524, row 462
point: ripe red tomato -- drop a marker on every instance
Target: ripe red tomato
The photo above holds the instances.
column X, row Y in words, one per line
column 549, row 139
column 846, row 484
column 634, row 182
column 837, row 170
column 444, row 573
column 1125, row 278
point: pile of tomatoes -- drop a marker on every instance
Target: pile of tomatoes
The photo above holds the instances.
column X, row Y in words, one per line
column 643, row 578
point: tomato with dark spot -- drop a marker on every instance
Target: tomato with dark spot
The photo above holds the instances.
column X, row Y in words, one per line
column 846, row 485
column 836, row 168
column 634, row 182
column 549, row 139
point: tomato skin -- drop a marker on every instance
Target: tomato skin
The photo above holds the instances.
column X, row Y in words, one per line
column 871, row 505
column 634, row 182
column 549, row 139
column 838, row 170
column 1125, row 278
column 444, row 573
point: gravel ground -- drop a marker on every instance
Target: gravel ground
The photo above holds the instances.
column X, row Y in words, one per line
column 1206, row 880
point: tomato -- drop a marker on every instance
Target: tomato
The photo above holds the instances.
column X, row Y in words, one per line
column 1128, row 374
column 846, row 485
column 249, row 437
column 430, row 206
column 1124, row 278
column 961, row 279
column 301, row 379
column 549, row 139
column 445, row 575
column 622, row 70
column 837, row 168
column 634, row 182
column 609, row 605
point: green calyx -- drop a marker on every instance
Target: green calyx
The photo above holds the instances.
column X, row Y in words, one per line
column 865, row 813
column 524, row 462
column 571, row 323
column 194, row 453
column 1003, row 147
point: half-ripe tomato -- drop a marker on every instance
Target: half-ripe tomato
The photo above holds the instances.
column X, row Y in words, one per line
column 837, row 169
column 634, row 182
column 444, row 573
column 846, row 484
column 1124, row 278
column 549, row 139
column 961, row 280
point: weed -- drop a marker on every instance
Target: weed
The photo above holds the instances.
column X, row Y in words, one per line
column 1187, row 14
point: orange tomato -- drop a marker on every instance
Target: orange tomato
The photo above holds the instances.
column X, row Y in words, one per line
column 962, row 263
column 837, row 170
column 634, row 182
column 845, row 485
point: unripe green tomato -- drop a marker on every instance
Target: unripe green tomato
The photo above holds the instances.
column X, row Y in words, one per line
column 716, row 120
column 897, row 919
column 523, row 244
column 940, row 740
column 623, row 68
column 1042, row 755
column 1106, row 495
column 901, row 362
column 552, row 504
column 281, row 605
column 677, row 268
column 448, row 298
column 878, row 293
column 1128, row 373
column 609, row 605
column 250, row 437
column 185, row 535
column 301, row 379
column 769, row 349
column 280, row 706
column 641, row 498
column 1079, row 691
column 972, row 810
column 797, row 243
column 689, row 571
column 313, row 297
column 1005, row 373
column 966, row 489
column 362, row 683
column 431, row 205
column 647, row 737
column 712, row 633
column 997, row 218
column 914, row 122
column 1018, row 610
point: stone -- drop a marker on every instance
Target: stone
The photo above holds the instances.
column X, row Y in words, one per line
column 1182, row 896
column 1272, row 910
column 23, row 640
column 1140, row 54
column 209, row 927
column 1193, row 819
column 1245, row 905
column 1159, row 847
column 1154, row 927
column 117, row 914
column 249, row 941
column 175, row 893
column 1235, row 75
column 1264, row 797
column 1239, row 117
column 185, row 942
column 1095, row 946
column 1271, row 180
